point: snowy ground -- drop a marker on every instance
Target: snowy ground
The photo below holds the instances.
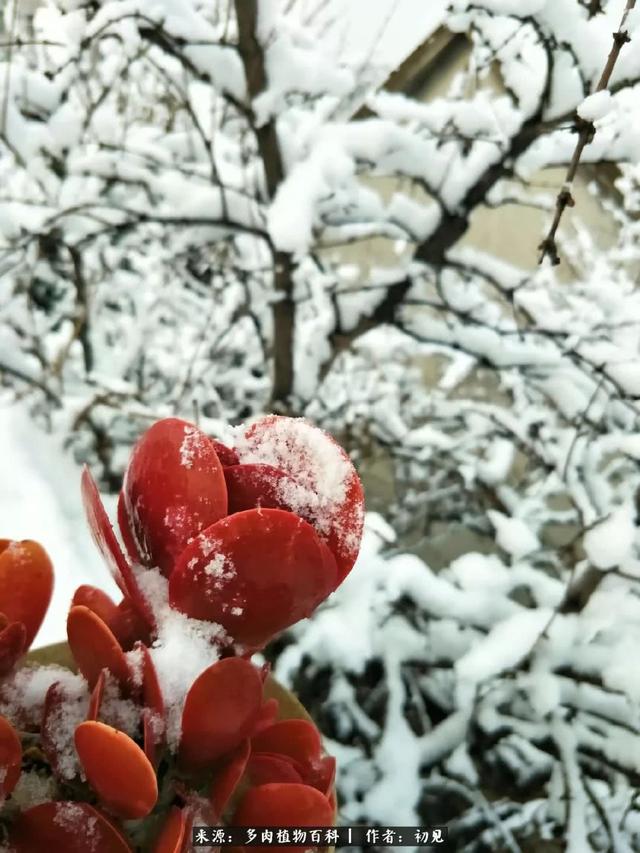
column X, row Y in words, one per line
column 40, row 499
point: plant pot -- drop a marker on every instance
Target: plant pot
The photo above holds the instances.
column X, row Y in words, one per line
column 289, row 706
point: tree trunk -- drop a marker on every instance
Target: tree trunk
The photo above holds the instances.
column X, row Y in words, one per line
column 268, row 145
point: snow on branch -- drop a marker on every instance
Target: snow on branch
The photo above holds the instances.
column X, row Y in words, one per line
column 592, row 109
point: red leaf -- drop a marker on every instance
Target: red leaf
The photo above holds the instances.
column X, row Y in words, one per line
column 173, row 488
column 220, row 710
column 94, row 648
column 283, row 804
column 72, row 827
column 265, row 768
column 105, row 539
column 13, row 644
column 26, row 584
column 321, row 773
column 255, row 573
column 117, row 769
column 151, row 691
column 251, row 486
column 10, row 757
column 96, row 697
column 153, row 714
column 268, row 716
column 320, row 467
column 97, row 600
column 298, row 739
column 227, row 776
column 226, row 455
column 174, row 835
column 128, row 626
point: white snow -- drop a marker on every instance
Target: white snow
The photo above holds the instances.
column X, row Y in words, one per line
column 513, row 535
column 63, row 721
column 320, row 473
column 26, row 689
column 32, row 789
column 505, row 645
column 40, row 499
column 609, row 542
column 596, row 106
column 183, row 649
column 191, row 445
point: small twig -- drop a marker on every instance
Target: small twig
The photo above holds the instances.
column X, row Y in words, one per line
column 583, row 420
column 586, row 132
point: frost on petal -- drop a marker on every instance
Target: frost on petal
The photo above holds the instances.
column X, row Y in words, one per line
column 182, row 650
column 95, row 648
column 321, row 485
column 65, row 707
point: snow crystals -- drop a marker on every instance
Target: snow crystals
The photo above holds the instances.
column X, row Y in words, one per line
column 63, row 720
column 191, row 446
column 183, row 649
column 319, row 472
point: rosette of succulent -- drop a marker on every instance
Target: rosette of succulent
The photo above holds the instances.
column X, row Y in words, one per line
column 165, row 721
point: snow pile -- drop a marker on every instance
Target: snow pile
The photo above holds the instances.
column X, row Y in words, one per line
column 609, row 543
column 184, row 648
column 68, row 711
column 596, row 106
column 23, row 695
column 513, row 535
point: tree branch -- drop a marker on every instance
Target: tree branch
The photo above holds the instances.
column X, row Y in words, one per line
column 586, row 132
column 384, row 314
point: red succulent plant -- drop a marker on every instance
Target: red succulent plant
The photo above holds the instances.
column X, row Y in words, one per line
column 169, row 723
column 252, row 538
